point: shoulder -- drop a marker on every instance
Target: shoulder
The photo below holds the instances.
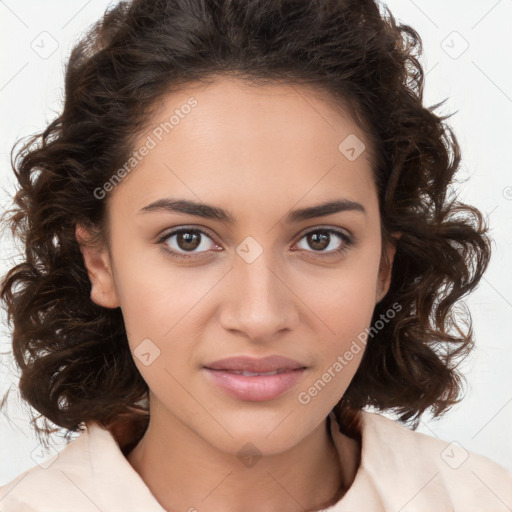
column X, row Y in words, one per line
column 427, row 471
column 37, row 486
column 90, row 473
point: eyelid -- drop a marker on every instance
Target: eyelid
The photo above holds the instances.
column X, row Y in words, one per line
column 168, row 232
column 336, row 229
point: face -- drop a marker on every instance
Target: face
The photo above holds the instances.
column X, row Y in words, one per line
column 248, row 269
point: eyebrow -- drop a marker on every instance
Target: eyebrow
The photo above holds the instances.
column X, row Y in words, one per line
column 212, row 212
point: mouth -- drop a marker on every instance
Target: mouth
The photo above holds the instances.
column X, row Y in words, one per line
column 256, row 374
column 255, row 379
column 253, row 366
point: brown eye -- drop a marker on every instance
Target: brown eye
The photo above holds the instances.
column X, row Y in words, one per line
column 186, row 240
column 318, row 240
column 328, row 241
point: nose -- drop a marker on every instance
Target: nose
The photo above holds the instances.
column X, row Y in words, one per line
column 260, row 302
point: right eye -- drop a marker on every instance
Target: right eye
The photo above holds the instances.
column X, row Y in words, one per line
column 185, row 240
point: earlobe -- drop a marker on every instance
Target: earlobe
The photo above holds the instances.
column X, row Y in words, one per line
column 98, row 266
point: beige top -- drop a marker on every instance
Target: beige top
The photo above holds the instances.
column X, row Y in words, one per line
column 401, row 471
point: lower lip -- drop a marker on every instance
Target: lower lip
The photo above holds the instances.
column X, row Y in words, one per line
column 255, row 389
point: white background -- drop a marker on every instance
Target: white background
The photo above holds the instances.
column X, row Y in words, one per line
column 478, row 83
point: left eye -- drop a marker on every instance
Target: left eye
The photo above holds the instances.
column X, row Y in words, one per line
column 322, row 239
column 182, row 241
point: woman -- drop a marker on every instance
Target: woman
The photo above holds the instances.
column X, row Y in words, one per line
column 239, row 236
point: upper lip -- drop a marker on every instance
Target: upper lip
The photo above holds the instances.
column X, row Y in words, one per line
column 254, row 364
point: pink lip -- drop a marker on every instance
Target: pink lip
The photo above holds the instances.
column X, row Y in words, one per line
column 255, row 364
column 255, row 388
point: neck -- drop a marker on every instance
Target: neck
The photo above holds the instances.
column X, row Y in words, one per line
column 184, row 472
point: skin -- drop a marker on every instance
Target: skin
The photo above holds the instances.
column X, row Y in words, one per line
column 258, row 153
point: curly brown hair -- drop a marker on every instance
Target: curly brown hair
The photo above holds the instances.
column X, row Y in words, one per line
column 74, row 357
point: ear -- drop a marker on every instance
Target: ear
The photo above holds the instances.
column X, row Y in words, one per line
column 98, row 264
column 386, row 265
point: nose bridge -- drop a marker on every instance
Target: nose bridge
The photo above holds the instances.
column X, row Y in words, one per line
column 261, row 303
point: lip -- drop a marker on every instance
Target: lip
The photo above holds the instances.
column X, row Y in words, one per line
column 255, row 364
column 255, row 388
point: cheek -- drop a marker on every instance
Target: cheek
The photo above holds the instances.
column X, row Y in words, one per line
column 341, row 305
column 341, row 340
column 151, row 292
column 157, row 308
column 344, row 298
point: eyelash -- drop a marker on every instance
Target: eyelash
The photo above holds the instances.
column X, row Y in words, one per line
column 348, row 241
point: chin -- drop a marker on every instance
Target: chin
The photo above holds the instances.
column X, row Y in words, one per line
column 271, row 432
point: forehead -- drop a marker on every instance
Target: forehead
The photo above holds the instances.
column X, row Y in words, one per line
column 239, row 110
column 278, row 141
